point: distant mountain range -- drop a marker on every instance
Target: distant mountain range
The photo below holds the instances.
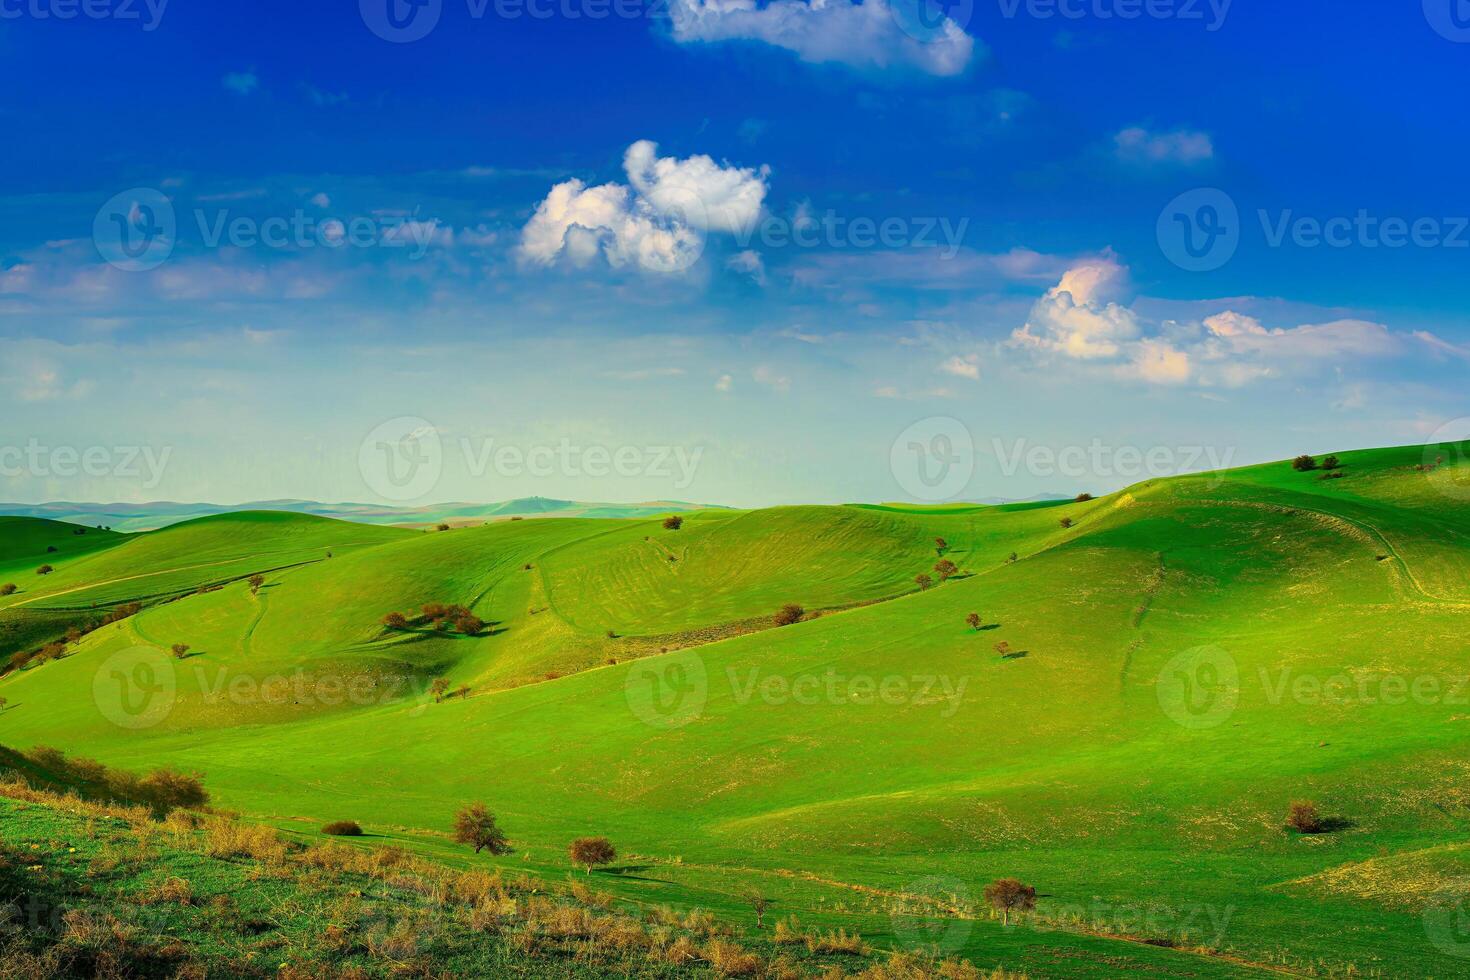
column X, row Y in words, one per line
column 156, row 514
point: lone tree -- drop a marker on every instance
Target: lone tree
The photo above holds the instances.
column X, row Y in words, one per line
column 396, row 621
column 940, row 546
column 1066, row 522
column 924, row 581
column 1331, row 463
column 475, row 827
column 7, row 589
column 973, row 620
column 673, row 523
column 592, row 852
column 759, row 902
column 1303, row 463
column 439, row 688
column 1304, row 818
column 1007, row 895
column 442, row 527
column 45, row 570
column 1012, row 557
column 944, row 568
column 256, row 581
column 1003, row 648
column 788, row 614
column 180, row 650
column 1082, row 498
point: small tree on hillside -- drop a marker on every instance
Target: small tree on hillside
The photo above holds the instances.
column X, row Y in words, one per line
column 45, row 570
column 469, row 624
column 923, row 580
column 1008, row 895
column 1082, row 498
column 1331, row 463
column 1303, row 463
column 973, row 621
column 256, row 581
column 788, row 614
column 759, row 902
column 592, row 852
column 1012, row 557
column 3, row 703
column 395, row 621
column 7, row 589
column 475, row 827
column 673, row 523
column 944, row 568
column 940, row 546
column 442, row 527
column 439, row 688
column 165, row 790
column 435, row 611
column 1003, row 648
column 180, row 650
column 1066, row 522
column 1304, row 818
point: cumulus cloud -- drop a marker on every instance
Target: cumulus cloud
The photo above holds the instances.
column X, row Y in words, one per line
column 1083, row 319
column 1181, row 146
column 659, row 223
column 967, row 366
column 748, row 263
column 873, row 35
column 1078, row 318
column 241, row 82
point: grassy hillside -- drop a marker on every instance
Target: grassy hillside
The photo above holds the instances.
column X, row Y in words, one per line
column 1180, row 662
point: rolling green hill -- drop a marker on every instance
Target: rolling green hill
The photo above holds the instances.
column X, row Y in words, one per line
column 1158, row 674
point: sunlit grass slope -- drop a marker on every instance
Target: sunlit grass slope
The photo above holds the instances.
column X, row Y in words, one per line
column 1180, row 664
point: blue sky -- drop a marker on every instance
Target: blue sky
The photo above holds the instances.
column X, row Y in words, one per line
column 787, row 243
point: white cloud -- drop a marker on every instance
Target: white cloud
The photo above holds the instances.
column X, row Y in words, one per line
column 241, row 82
column 321, row 200
column 873, row 35
column 659, row 223
column 725, row 383
column 768, row 376
column 748, row 263
column 967, row 366
column 1081, row 319
column 1181, row 146
column 1077, row 318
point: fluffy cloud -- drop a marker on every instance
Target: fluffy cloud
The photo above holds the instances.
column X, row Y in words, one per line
column 873, row 35
column 1182, row 146
column 1082, row 319
column 967, row 366
column 1078, row 318
column 658, row 223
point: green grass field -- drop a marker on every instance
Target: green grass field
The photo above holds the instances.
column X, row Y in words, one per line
column 1183, row 662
